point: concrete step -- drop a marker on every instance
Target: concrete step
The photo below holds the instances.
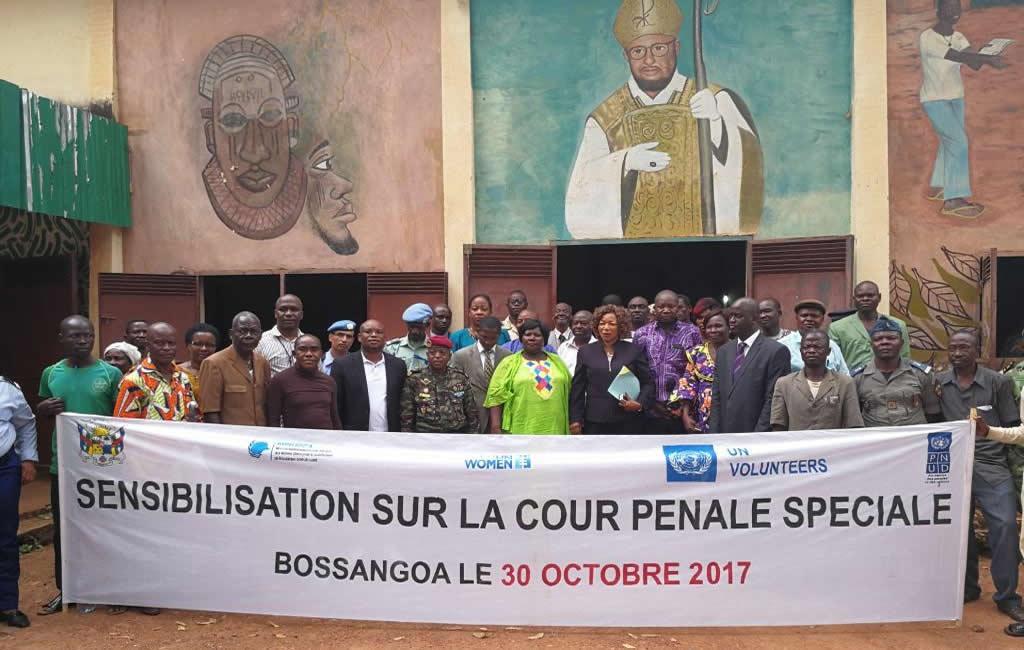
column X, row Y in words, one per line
column 36, row 528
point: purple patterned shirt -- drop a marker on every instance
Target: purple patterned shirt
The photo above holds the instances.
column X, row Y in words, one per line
column 666, row 353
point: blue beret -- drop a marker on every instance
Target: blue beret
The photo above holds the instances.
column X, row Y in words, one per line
column 884, row 324
column 342, row 326
column 418, row 313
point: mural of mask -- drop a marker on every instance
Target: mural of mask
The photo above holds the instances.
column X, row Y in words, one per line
column 255, row 185
column 327, row 200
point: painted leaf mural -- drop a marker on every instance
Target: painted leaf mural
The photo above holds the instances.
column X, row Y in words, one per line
column 900, row 290
column 921, row 340
column 965, row 264
column 940, row 296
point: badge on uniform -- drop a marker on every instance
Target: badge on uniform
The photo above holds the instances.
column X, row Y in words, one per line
column 891, row 405
column 832, row 400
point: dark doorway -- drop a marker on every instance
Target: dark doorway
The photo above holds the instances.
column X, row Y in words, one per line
column 226, row 295
column 1010, row 308
column 328, row 297
column 586, row 273
column 39, row 292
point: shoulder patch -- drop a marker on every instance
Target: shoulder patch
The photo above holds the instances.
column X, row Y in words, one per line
column 923, row 367
column 857, row 371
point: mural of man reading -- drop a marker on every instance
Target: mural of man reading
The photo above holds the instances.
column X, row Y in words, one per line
column 637, row 171
column 255, row 184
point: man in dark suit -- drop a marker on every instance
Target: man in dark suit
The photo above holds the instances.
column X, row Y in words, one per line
column 370, row 384
column 746, row 369
column 478, row 361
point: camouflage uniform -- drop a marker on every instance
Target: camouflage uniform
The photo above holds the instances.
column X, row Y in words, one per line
column 904, row 398
column 433, row 403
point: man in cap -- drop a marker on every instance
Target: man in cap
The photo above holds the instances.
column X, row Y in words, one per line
column 853, row 332
column 810, row 315
column 412, row 348
column 438, row 398
column 626, row 182
column 815, row 397
column 894, row 391
column 341, row 335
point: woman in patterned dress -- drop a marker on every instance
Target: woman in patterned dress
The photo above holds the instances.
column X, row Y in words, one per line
column 691, row 399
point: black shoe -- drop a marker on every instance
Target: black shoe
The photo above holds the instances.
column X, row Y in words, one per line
column 1013, row 610
column 14, row 618
column 149, row 611
column 52, row 607
column 1015, row 629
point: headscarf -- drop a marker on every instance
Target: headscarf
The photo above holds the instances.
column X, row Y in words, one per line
column 127, row 349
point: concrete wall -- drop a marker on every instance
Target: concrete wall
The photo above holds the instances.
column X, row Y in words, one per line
column 61, row 49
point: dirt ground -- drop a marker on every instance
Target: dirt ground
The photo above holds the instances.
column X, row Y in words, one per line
column 983, row 627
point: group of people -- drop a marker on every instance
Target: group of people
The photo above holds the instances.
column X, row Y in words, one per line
column 663, row 367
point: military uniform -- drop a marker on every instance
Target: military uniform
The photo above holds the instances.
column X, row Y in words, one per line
column 906, row 397
column 433, row 403
column 414, row 356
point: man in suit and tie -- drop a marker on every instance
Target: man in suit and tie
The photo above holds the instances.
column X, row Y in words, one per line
column 233, row 382
column 478, row 362
column 370, row 384
column 746, row 370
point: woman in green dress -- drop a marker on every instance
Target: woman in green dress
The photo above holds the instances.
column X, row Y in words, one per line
column 529, row 391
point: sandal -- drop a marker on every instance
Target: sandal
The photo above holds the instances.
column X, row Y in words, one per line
column 968, row 211
column 55, row 605
column 114, row 610
column 149, row 611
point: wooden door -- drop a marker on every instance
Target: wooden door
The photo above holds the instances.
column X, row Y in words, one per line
column 791, row 270
column 172, row 299
column 498, row 270
column 389, row 294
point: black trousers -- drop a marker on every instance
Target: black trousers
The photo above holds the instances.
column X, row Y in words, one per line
column 55, row 506
column 663, row 426
column 632, row 426
column 10, row 492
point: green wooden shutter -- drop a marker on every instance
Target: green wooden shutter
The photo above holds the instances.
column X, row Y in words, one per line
column 77, row 163
column 12, row 147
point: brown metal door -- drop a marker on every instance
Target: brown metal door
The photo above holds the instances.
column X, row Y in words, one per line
column 389, row 294
column 498, row 270
column 172, row 299
column 791, row 270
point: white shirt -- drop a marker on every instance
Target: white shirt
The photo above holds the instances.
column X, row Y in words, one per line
column 377, row 392
column 941, row 77
column 553, row 337
column 747, row 342
column 483, row 355
column 568, row 352
column 593, row 199
column 277, row 350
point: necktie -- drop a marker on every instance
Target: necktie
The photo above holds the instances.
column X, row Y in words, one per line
column 489, row 364
column 741, row 355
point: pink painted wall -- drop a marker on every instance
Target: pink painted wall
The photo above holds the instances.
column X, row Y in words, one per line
column 367, row 74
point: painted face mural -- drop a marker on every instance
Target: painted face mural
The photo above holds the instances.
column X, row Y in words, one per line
column 328, row 203
column 255, row 185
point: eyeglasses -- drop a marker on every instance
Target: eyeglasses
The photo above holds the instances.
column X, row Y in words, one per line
column 659, row 50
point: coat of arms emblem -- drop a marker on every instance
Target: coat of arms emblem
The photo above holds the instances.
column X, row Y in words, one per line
column 101, row 444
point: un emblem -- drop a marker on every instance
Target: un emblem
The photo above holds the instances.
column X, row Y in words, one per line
column 690, row 463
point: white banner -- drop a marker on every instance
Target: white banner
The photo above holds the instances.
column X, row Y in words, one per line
column 797, row 528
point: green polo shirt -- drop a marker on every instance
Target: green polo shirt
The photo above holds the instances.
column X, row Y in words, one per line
column 855, row 342
column 90, row 390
